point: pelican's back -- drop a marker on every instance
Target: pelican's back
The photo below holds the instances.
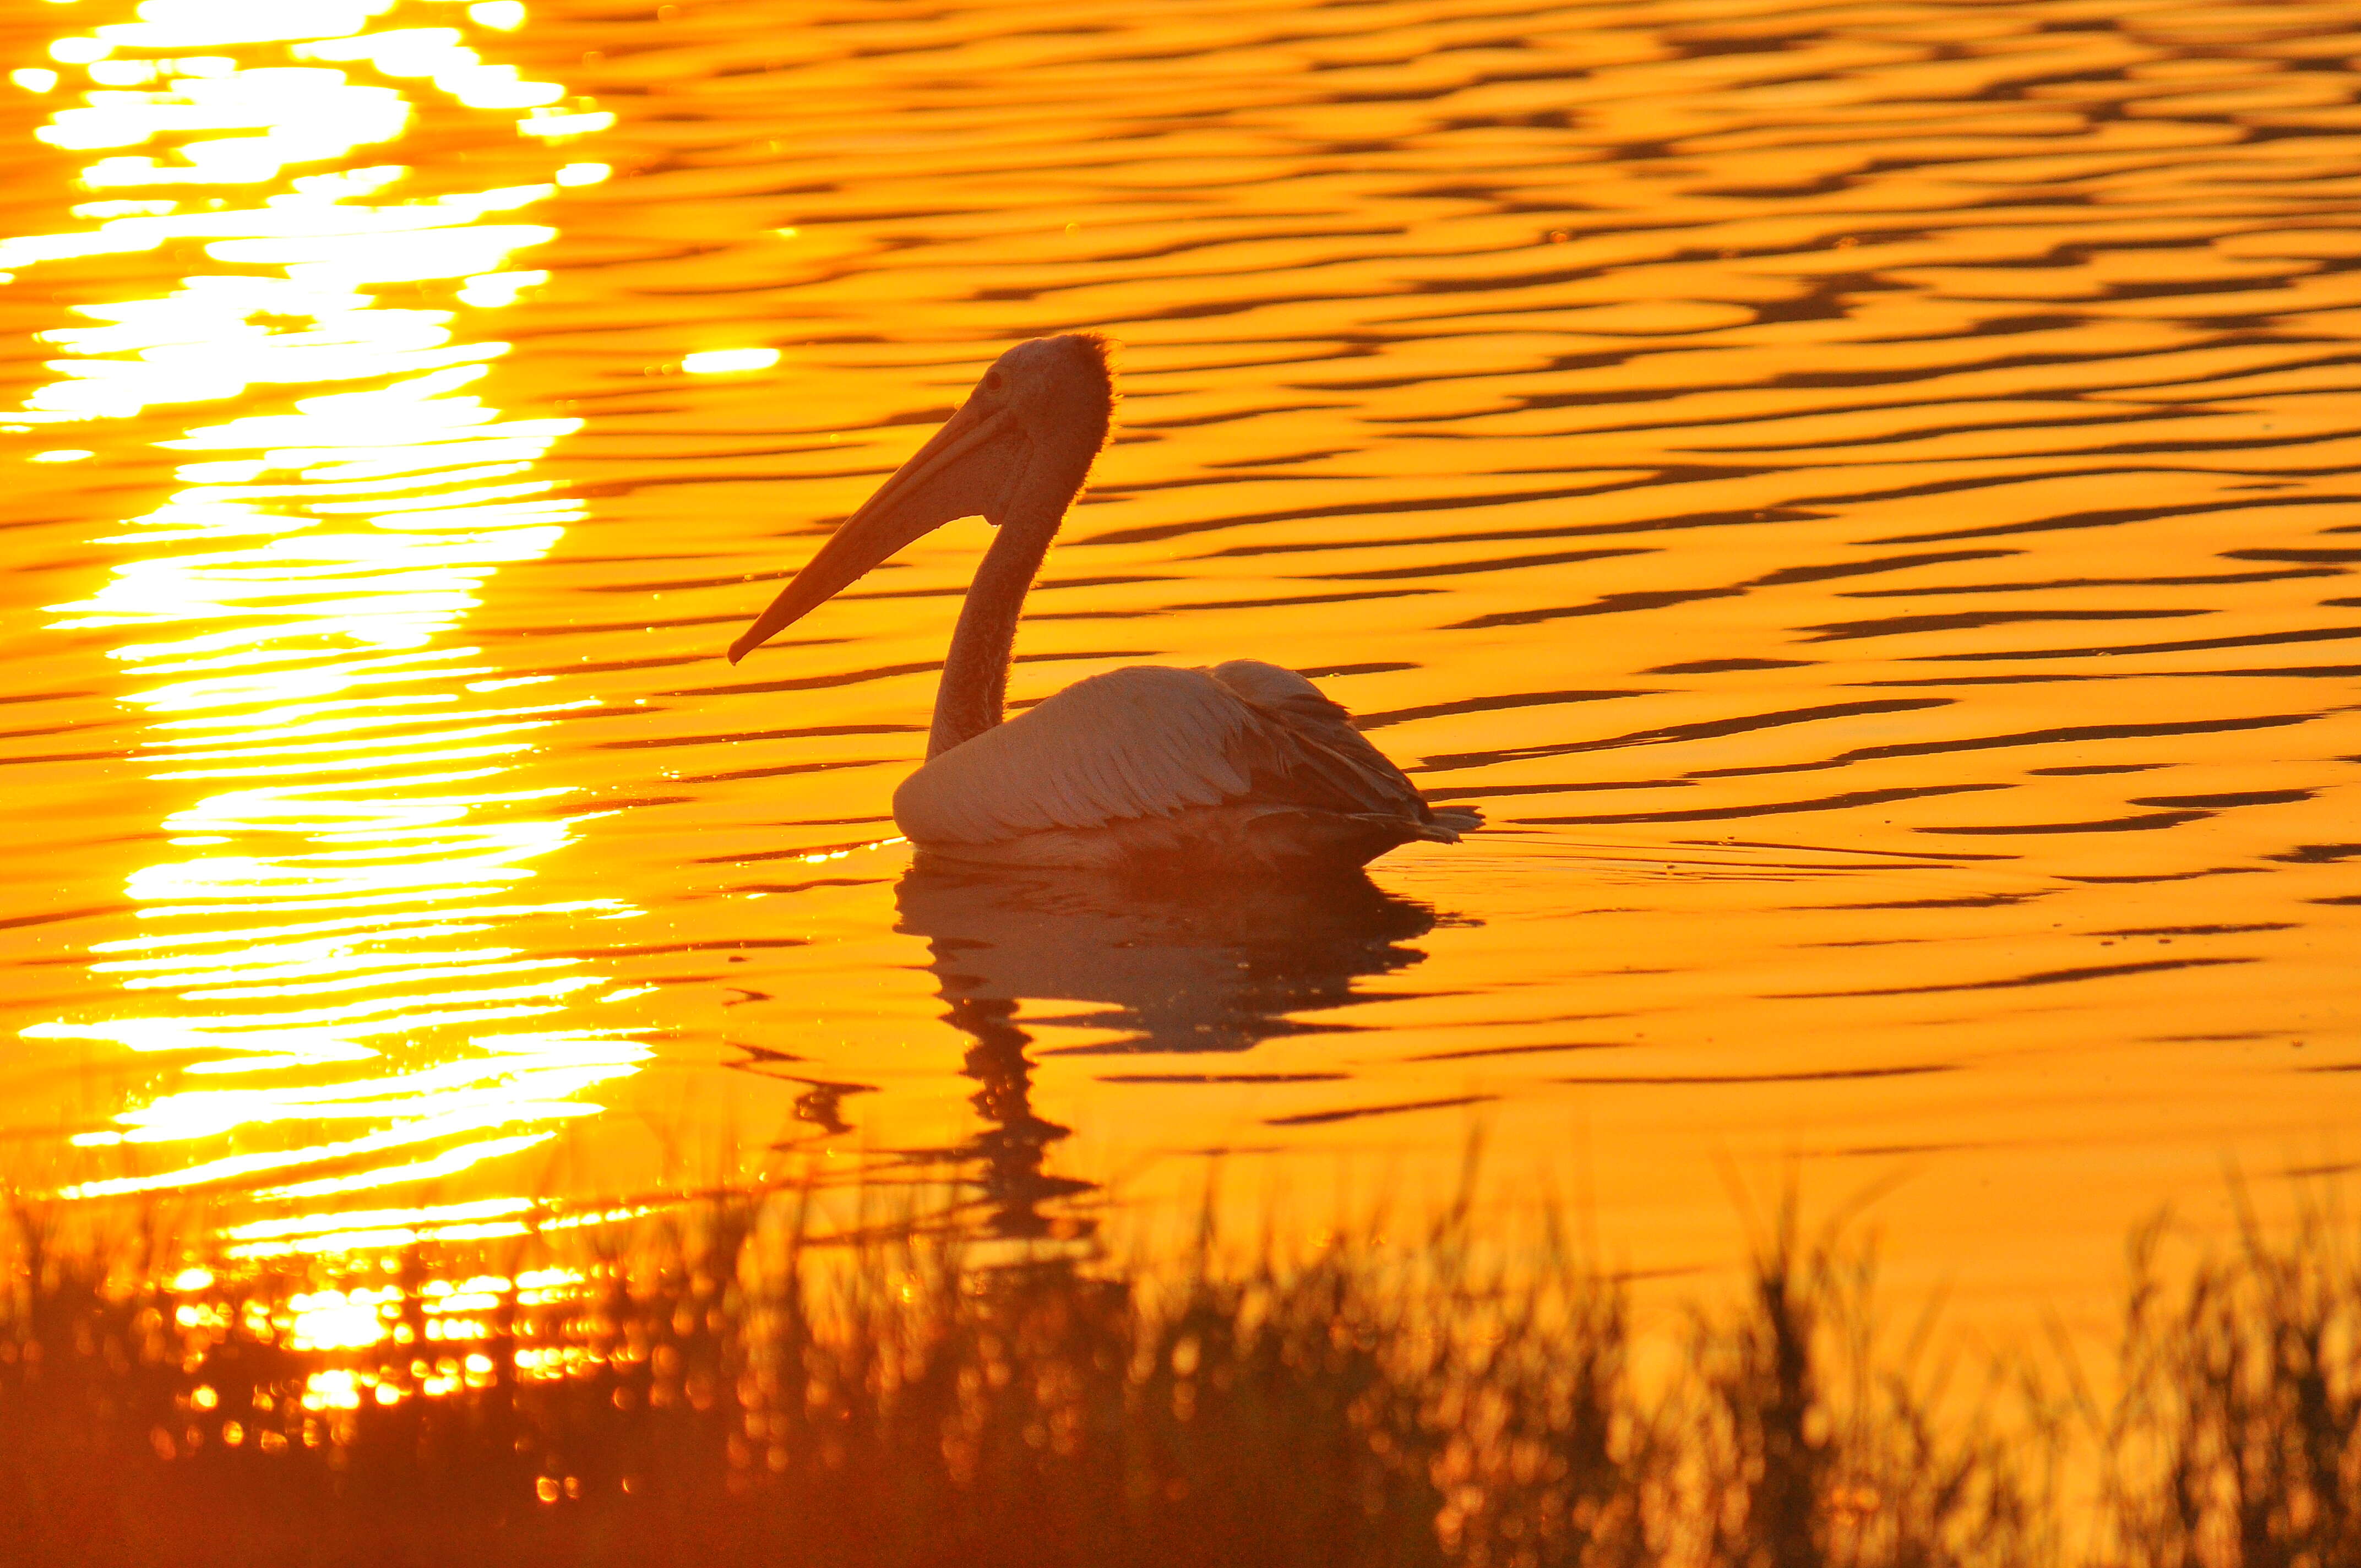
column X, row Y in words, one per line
column 1246, row 752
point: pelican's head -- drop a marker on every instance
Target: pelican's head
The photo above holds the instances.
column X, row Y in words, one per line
column 1021, row 444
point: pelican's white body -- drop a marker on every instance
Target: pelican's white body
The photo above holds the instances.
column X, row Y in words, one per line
column 1243, row 762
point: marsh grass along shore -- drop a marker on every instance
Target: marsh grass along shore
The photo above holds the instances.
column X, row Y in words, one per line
column 719, row 1388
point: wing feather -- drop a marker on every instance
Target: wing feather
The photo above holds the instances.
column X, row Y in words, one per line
column 1148, row 742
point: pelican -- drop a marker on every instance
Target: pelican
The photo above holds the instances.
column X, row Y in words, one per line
column 1243, row 765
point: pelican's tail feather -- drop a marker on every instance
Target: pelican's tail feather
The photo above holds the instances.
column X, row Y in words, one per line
column 1444, row 824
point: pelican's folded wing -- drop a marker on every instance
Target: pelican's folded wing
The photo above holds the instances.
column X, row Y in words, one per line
column 1146, row 741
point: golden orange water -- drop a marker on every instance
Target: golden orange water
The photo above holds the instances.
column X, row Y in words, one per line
column 1858, row 496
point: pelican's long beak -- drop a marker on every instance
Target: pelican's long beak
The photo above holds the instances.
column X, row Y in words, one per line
column 940, row 482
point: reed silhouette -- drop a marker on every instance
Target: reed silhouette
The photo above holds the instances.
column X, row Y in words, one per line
column 723, row 1387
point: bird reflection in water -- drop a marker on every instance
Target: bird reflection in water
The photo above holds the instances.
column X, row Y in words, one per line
column 1174, row 969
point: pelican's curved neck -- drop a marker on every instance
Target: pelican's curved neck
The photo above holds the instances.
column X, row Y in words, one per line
column 1065, row 441
column 975, row 675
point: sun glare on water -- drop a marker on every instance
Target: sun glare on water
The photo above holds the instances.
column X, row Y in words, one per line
column 321, row 952
column 723, row 361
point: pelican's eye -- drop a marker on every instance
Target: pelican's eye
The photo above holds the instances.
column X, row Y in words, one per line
column 992, row 380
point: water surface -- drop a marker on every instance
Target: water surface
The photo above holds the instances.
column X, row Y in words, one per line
column 1859, row 495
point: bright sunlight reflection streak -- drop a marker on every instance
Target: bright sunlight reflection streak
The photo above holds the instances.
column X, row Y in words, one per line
column 332, row 927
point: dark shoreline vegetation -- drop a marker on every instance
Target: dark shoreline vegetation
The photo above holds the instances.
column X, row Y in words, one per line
column 713, row 1389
